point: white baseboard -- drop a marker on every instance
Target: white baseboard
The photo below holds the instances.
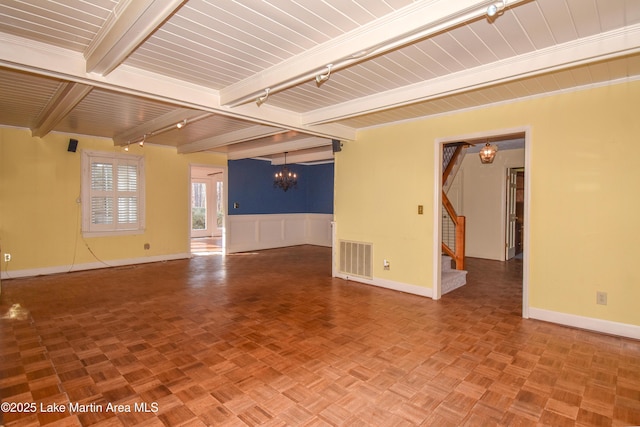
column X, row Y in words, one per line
column 90, row 266
column 389, row 284
column 588, row 323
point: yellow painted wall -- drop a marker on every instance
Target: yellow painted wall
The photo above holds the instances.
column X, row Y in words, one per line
column 40, row 218
column 585, row 195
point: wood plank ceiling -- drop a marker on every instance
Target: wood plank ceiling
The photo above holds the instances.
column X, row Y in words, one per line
column 121, row 69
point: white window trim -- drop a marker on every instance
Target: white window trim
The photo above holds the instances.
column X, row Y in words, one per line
column 88, row 156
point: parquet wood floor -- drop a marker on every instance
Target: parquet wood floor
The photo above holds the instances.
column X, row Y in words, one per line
column 206, row 245
column 269, row 338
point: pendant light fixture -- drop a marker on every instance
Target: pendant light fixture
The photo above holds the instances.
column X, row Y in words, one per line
column 488, row 153
column 285, row 178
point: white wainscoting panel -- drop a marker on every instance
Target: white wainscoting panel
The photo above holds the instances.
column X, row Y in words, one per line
column 243, row 228
column 319, row 229
column 295, row 230
column 255, row 232
column 270, row 231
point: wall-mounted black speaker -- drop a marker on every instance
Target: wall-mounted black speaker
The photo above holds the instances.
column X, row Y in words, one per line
column 73, row 145
column 336, row 145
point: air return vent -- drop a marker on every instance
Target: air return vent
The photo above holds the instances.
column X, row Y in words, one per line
column 356, row 259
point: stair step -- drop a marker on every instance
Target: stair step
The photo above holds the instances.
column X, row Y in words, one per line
column 446, row 263
column 452, row 279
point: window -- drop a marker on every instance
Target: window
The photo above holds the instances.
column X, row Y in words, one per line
column 112, row 193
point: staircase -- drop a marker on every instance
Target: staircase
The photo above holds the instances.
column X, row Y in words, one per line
column 453, row 225
column 451, row 279
column 452, row 158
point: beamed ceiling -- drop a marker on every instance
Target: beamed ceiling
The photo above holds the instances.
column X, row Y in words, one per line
column 121, row 69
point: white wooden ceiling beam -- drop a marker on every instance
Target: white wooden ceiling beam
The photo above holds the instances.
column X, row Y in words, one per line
column 612, row 44
column 301, row 156
column 161, row 123
column 279, row 117
column 63, row 101
column 407, row 25
column 235, row 137
column 247, row 150
column 27, row 55
column 130, row 24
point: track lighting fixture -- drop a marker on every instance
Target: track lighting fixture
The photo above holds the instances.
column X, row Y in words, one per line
column 261, row 99
column 280, row 78
column 496, row 8
column 131, row 137
column 321, row 78
column 141, row 141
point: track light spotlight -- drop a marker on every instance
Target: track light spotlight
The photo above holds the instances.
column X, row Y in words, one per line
column 127, row 147
column 321, row 78
column 496, row 8
column 181, row 124
column 261, row 99
column 141, row 143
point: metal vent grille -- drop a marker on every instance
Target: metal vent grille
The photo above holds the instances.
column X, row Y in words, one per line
column 356, row 258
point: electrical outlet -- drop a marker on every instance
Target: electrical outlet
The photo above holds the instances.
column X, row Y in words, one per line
column 386, row 265
column 601, row 298
column 7, row 257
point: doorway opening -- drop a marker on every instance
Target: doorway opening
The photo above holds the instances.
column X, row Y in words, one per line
column 495, row 225
column 207, row 213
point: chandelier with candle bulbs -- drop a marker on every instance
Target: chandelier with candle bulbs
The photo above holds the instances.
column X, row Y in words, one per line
column 285, row 178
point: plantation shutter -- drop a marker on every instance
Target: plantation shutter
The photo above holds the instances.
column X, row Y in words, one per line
column 127, row 195
column 113, row 193
column 101, row 193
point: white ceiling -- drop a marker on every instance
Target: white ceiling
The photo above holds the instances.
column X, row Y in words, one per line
column 125, row 68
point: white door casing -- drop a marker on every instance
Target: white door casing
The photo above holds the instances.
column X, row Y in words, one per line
column 511, row 217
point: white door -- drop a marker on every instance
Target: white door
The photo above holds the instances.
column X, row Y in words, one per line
column 511, row 217
column 201, row 208
column 219, row 206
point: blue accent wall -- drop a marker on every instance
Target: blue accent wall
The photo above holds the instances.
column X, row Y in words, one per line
column 251, row 187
